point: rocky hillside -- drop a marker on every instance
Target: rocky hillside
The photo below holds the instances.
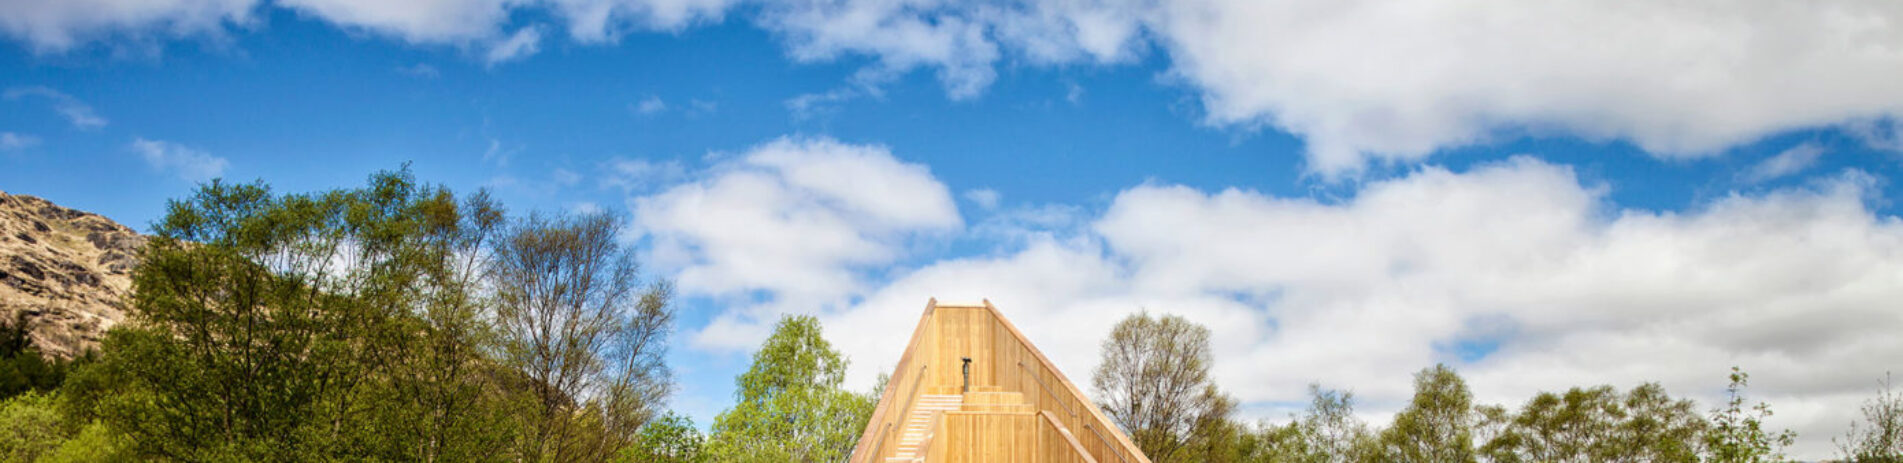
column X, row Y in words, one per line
column 67, row 270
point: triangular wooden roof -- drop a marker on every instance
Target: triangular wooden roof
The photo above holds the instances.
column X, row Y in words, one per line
column 1010, row 404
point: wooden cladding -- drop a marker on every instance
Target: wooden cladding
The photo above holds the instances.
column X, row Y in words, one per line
column 972, row 437
column 1017, row 407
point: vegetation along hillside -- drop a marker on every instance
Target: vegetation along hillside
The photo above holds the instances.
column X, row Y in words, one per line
column 400, row 321
column 64, row 273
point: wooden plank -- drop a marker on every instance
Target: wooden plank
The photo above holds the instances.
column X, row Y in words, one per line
column 990, row 437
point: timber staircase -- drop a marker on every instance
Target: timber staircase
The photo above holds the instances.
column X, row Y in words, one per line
column 919, row 424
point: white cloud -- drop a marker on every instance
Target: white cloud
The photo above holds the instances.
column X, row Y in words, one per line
column 650, row 106
column 810, row 105
column 901, row 36
column 594, row 21
column 415, row 21
column 799, row 218
column 960, row 41
column 498, row 153
column 1398, row 79
column 1795, row 285
column 77, row 112
column 699, row 107
column 641, row 175
column 524, row 42
column 585, row 207
column 1788, row 162
column 1884, row 134
column 1360, row 81
column 985, row 198
column 565, row 177
column 10, row 141
column 189, row 164
column 56, row 26
column 419, row 70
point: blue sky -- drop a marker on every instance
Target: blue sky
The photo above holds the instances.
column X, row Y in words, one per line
column 1538, row 212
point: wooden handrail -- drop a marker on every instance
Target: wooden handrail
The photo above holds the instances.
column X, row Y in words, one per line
column 1073, row 414
column 1069, row 438
column 1047, row 390
column 931, row 433
column 883, row 432
column 1107, row 443
column 911, row 397
column 861, row 454
column 1120, row 443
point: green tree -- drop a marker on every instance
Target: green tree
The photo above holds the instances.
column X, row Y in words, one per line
column 462, row 405
column 1879, row 438
column 669, row 439
column 575, row 318
column 791, row 405
column 1326, row 432
column 291, row 327
column 1737, row 434
column 30, row 426
column 23, row 367
column 93, row 444
column 1597, row 425
column 32, row 429
column 1153, row 381
column 1437, row 425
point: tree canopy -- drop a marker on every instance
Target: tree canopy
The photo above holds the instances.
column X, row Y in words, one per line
column 792, row 407
column 1153, row 381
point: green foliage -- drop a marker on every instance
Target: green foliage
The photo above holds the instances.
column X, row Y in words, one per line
column 1153, row 381
column 396, row 322
column 32, row 429
column 1437, row 425
column 22, row 367
column 791, row 406
column 1737, row 434
column 1598, row 425
column 335, row 325
column 1326, row 432
column 1879, row 438
column 93, row 444
column 573, row 318
column 30, row 426
column 669, row 439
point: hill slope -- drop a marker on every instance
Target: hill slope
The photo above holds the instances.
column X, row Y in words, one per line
column 68, row 270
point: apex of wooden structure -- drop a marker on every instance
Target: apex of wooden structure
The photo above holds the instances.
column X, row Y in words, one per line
column 971, row 388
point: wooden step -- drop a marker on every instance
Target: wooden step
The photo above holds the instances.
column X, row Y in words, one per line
column 999, row 408
column 994, row 398
column 960, row 389
column 916, row 424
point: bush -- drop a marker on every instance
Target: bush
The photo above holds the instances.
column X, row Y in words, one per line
column 29, row 427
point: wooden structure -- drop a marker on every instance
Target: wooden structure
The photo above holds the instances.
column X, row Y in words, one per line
column 971, row 388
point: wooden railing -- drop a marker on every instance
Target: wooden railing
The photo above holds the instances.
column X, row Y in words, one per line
column 1047, row 391
column 885, row 430
column 901, row 392
column 1059, row 445
column 1101, row 441
column 932, row 448
column 1056, row 392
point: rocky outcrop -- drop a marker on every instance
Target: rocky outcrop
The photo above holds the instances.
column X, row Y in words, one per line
column 69, row 271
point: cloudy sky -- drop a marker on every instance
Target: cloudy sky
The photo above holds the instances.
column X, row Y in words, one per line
column 1542, row 194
